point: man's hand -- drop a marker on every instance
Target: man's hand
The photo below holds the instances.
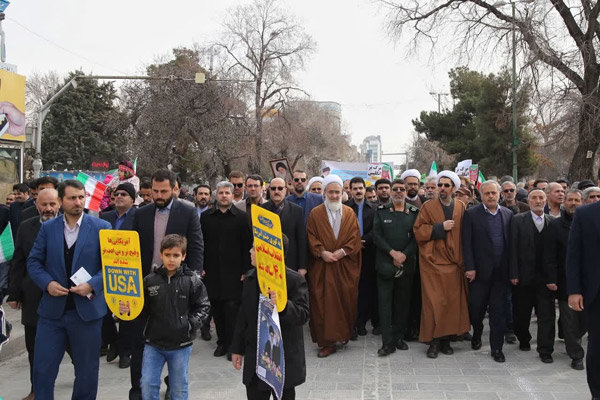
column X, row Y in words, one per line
column 339, row 254
column 398, row 257
column 203, row 273
column 302, row 271
column 273, row 297
column 470, row 275
column 448, row 225
column 236, row 360
column 55, row 289
column 82, row 289
column 328, row 256
column 576, row 302
column 552, row 286
column 515, row 282
column 15, row 117
column 123, row 307
column 242, row 278
column 15, row 305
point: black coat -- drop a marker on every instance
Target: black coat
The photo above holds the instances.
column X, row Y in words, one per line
column 583, row 274
column 15, row 210
column 20, row 286
column 555, row 253
column 4, row 216
column 183, row 220
column 522, row 248
column 477, row 244
column 292, row 226
column 29, row 212
column 292, row 318
column 368, row 250
column 227, row 243
column 111, row 217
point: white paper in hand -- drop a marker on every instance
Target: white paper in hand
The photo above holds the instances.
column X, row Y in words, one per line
column 82, row 276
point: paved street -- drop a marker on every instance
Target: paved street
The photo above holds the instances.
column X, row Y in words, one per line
column 356, row 372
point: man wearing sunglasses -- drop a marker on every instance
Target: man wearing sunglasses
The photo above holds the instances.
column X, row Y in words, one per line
column 301, row 197
column 438, row 233
column 292, row 225
column 412, row 178
column 237, row 180
column 509, row 199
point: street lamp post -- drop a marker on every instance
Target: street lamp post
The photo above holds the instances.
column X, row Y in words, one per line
column 515, row 144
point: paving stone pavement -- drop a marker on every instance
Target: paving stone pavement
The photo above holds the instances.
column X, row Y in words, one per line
column 355, row 372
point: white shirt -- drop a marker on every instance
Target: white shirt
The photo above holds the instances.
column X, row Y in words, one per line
column 72, row 234
column 488, row 210
column 538, row 221
column 335, row 220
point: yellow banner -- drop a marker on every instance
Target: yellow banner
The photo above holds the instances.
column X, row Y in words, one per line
column 268, row 247
column 122, row 271
column 12, row 106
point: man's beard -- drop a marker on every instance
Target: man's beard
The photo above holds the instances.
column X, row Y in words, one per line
column 412, row 193
column 333, row 206
column 203, row 203
column 163, row 205
column 46, row 217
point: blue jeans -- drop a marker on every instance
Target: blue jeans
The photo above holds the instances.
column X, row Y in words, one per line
column 177, row 363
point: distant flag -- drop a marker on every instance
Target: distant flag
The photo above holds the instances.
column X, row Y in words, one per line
column 7, row 246
column 480, row 180
column 433, row 170
column 135, row 165
column 94, row 190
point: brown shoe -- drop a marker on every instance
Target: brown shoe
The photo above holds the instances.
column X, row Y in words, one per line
column 326, row 351
column 29, row 396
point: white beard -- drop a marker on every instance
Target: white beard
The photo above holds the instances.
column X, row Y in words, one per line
column 333, row 206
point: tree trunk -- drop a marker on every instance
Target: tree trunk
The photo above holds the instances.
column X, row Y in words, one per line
column 589, row 139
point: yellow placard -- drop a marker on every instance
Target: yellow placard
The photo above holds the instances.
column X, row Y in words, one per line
column 12, row 106
column 268, row 247
column 122, row 271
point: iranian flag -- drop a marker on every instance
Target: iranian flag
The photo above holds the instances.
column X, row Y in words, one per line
column 94, row 190
column 7, row 246
column 480, row 180
column 433, row 170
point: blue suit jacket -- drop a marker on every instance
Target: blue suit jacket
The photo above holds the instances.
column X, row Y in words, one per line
column 111, row 217
column 312, row 200
column 477, row 244
column 46, row 263
column 583, row 253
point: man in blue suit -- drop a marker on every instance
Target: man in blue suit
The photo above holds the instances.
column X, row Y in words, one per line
column 583, row 282
column 302, row 197
column 485, row 241
column 68, row 312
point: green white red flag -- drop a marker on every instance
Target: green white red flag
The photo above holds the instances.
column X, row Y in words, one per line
column 94, row 190
column 7, row 245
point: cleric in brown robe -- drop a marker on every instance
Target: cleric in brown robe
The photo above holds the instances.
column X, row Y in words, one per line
column 445, row 309
column 334, row 271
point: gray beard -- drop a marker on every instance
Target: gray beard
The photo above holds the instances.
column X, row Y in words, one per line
column 333, row 206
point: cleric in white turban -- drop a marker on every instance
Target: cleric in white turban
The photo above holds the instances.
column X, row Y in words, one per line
column 315, row 185
column 452, row 176
column 412, row 180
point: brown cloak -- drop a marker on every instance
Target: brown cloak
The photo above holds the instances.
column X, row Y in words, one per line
column 333, row 287
column 444, row 290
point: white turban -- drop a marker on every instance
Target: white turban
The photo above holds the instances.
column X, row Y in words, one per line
column 451, row 175
column 332, row 179
column 313, row 180
column 410, row 172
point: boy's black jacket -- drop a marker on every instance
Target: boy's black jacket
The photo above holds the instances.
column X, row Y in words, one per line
column 176, row 307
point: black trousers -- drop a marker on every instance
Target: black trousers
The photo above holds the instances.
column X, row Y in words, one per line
column 30, row 331
column 367, row 297
column 414, row 314
column 253, row 393
column 574, row 326
column 492, row 295
column 536, row 296
column 394, row 305
column 593, row 351
column 225, row 314
column 133, row 331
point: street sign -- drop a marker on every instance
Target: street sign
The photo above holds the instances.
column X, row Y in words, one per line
column 8, row 67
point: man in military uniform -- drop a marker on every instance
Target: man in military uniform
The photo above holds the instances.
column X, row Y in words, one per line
column 395, row 265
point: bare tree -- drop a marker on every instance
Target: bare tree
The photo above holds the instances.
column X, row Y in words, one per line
column 557, row 38
column 267, row 46
column 38, row 89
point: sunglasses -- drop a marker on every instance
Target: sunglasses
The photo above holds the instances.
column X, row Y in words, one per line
column 276, row 188
column 299, row 179
column 446, row 185
column 238, row 185
column 398, row 189
column 121, row 194
column 508, row 190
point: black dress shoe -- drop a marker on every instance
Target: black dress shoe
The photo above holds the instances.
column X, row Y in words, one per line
column 401, row 345
column 510, row 338
column 220, row 351
column 577, row 364
column 546, row 358
column 476, row 344
column 386, row 351
column 433, row 350
column 466, row 336
column 354, row 336
column 498, row 356
column 228, row 356
column 124, row 362
column 361, row 331
column 135, row 394
column 112, row 353
column 524, row 346
column 205, row 334
column 446, row 349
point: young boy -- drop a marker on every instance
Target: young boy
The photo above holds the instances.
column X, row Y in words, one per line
column 292, row 318
column 176, row 305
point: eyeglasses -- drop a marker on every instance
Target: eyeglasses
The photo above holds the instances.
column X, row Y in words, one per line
column 276, row 188
column 238, row 185
column 398, row 189
column 446, row 185
column 299, row 179
column 121, row 194
column 508, row 190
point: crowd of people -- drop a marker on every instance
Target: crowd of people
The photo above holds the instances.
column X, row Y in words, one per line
column 421, row 260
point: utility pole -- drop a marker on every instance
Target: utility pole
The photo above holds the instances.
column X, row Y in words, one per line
column 439, row 95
